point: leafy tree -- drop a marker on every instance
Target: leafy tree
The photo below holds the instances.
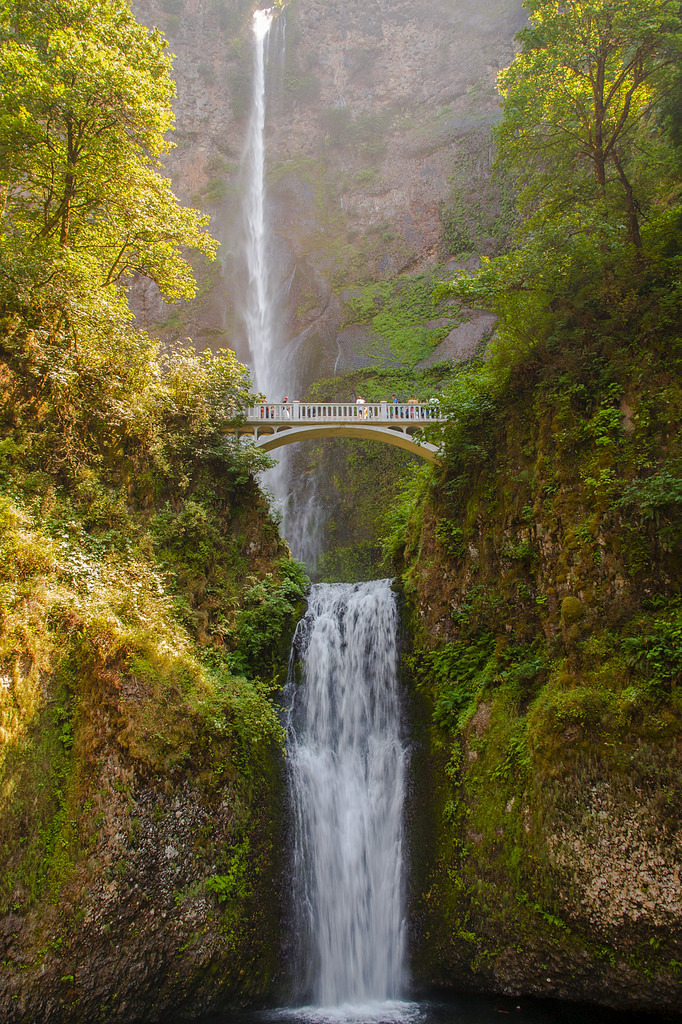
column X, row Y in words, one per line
column 85, row 111
column 588, row 129
column 591, row 131
column 180, row 419
column 85, row 108
column 579, row 99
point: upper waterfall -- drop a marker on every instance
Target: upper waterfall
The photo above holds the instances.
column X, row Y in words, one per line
column 262, row 20
column 258, row 299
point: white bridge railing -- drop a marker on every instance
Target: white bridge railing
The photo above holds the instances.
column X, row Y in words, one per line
column 343, row 412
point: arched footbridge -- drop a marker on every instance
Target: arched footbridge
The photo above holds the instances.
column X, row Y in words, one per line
column 273, row 424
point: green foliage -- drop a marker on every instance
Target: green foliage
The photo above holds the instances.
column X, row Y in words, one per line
column 131, row 528
column 402, row 519
column 74, row 412
column 103, row 616
column 469, row 400
column 478, row 216
column 378, row 384
column 239, row 91
column 86, row 109
column 460, row 673
column 584, row 706
column 517, row 761
column 398, row 312
column 578, row 101
column 45, row 860
column 267, row 607
column 548, row 552
column 452, row 538
column 657, row 499
column 85, row 207
column 234, row 884
column 456, row 675
column 596, row 163
column 656, row 651
column 655, row 493
column 300, row 86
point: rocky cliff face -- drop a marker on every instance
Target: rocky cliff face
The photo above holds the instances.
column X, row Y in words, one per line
column 546, row 620
column 136, row 933
column 378, row 142
column 140, row 776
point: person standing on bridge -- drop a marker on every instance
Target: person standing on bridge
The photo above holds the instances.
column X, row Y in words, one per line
column 286, row 409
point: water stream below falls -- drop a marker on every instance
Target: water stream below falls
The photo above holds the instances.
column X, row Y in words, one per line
column 457, row 1010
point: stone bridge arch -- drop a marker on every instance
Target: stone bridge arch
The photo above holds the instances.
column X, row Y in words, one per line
column 274, row 424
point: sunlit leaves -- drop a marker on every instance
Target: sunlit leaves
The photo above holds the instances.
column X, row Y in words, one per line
column 84, row 207
column 578, row 99
column 84, row 116
column 585, row 131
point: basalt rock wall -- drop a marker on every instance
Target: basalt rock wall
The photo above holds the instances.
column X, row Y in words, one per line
column 545, row 623
column 375, row 112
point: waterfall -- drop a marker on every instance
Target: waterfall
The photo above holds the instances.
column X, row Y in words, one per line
column 273, row 367
column 258, row 308
column 347, row 762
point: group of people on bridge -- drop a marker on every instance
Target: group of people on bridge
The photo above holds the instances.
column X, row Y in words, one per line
column 360, row 408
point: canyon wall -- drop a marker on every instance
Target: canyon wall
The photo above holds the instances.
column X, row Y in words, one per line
column 542, row 578
column 379, row 155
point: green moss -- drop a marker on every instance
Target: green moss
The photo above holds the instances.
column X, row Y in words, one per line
column 572, row 609
column 121, row 685
column 398, row 312
column 537, row 700
column 478, row 215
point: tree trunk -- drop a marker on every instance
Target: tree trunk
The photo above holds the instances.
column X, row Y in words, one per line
column 633, row 220
column 69, row 187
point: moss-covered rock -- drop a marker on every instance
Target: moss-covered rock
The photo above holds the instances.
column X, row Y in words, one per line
column 572, row 610
column 140, row 759
column 545, row 618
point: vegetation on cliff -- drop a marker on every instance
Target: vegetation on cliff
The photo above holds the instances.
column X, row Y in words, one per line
column 145, row 593
column 542, row 566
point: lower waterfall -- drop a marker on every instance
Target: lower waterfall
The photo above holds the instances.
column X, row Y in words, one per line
column 347, row 763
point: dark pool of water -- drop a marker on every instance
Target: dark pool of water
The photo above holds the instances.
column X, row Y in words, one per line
column 456, row 1010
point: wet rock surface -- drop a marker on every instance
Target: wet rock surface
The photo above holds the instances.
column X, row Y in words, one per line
column 135, row 932
column 554, row 853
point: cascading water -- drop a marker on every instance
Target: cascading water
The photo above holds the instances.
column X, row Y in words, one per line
column 346, row 755
column 347, row 763
column 258, row 302
column 272, row 365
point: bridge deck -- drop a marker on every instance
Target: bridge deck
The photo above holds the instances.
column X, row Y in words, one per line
column 399, row 414
column 273, row 424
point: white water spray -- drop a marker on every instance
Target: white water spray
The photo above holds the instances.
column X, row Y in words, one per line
column 273, row 367
column 258, row 302
column 347, row 765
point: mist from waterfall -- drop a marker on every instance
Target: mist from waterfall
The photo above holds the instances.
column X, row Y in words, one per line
column 347, row 763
